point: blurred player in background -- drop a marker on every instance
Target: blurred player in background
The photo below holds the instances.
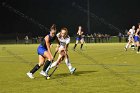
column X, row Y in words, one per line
column 79, row 38
column 130, row 38
column 26, row 39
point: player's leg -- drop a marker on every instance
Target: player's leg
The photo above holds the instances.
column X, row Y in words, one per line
column 133, row 41
column 138, row 45
column 61, row 54
column 56, row 62
column 82, row 42
column 133, row 44
column 40, row 51
column 36, row 67
column 138, row 49
column 77, row 41
column 137, row 40
column 47, row 63
column 127, row 45
column 67, row 61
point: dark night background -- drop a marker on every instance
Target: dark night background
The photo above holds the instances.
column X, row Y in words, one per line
column 120, row 13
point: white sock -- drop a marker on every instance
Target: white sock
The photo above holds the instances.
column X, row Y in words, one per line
column 68, row 63
column 133, row 44
column 127, row 45
column 53, row 64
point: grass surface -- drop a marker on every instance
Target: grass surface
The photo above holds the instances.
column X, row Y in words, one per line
column 101, row 68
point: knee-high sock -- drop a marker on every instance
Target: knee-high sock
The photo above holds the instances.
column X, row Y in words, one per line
column 68, row 63
column 75, row 46
column 138, row 48
column 35, row 69
column 51, row 66
column 81, row 46
column 46, row 65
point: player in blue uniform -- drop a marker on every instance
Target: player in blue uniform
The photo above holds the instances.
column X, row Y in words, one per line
column 79, row 38
column 44, row 53
column 137, row 38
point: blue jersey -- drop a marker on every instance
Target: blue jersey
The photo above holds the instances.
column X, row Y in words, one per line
column 42, row 47
column 51, row 39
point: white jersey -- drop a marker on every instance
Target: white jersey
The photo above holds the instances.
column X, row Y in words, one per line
column 63, row 41
column 132, row 32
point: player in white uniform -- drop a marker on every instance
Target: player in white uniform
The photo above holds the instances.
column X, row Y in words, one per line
column 130, row 38
column 64, row 40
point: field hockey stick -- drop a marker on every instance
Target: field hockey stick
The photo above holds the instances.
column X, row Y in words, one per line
column 54, row 55
column 48, row 77
column 53, row 71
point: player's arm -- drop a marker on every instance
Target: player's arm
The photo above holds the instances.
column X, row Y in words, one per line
column 134, row 31
column 78, row 32
column 58, row 44
column 137, row 31
column 82, row 32
column 128, row 33
column 48, row 44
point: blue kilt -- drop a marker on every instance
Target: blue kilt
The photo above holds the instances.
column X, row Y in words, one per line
column 41, row 49
column 137, row 39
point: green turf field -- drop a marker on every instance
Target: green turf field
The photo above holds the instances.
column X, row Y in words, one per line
column 101, row 68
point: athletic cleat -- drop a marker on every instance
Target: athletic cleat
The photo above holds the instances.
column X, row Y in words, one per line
column 72, row 70
column 43, row 73
column 125, row 48
column 138, row 52
column 30, row 75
